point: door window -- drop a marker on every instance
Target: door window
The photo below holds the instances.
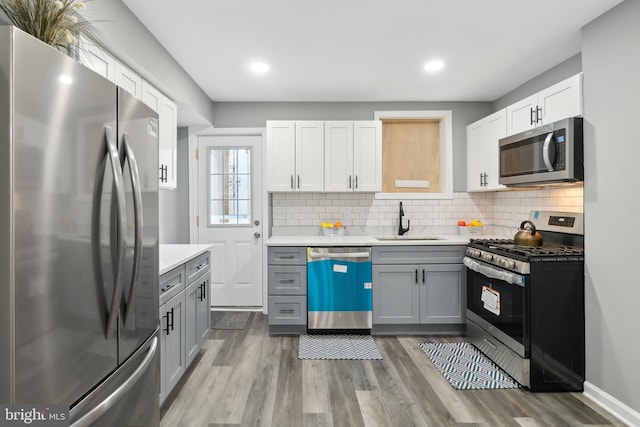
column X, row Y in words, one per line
column 229, row 186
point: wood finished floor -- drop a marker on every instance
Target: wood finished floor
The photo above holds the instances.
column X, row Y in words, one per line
column 248, row 378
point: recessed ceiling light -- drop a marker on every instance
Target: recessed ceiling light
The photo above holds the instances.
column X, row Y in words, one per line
column 259, row 67
column 433, row 65
column 65, row 79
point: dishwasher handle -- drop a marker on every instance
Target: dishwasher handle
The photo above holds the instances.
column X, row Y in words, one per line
column 339, row 255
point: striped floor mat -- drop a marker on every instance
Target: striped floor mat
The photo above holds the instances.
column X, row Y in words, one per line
column 356, row 347
column 465, row 367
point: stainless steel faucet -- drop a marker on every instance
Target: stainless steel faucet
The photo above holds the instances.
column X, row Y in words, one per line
column 401, row 229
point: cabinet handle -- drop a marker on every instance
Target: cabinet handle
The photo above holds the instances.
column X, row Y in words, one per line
column 481, row 180
column 356, row 182
column 298, row 182
column 287, row 310
column 423, row 280
column 287, row 281
column 532, row 121
column 349, row 181
column 172, row 319
column 200, row 266
column 166, row 317
column 164, row 173
column 416, row 275
column 486, row 183
column 291, row 176
column 538, row 115
column 286, row 257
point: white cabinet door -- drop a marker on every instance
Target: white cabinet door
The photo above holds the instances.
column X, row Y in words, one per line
column 97, row 59
column 280, row 159
column 557, row 102
column 338, row 156
column 475, row 155
column 561, row 100
column 128, row 80
column 168, row 143
column 151, row 96
column 496, row 128
column 483, row 163
column 521, row 116
column 367, row 155
column 309, row 156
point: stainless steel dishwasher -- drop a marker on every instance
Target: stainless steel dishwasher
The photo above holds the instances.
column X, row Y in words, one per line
column 339, row 289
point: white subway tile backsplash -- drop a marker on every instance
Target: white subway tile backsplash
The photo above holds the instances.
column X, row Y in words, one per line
column 501, row 211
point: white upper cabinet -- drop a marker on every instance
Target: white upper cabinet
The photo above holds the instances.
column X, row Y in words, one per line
column 483, row 161
column 167, row 134
column 338, row 155
column 309, row 156
column 128, row 80
column 562, row 100
column 280, row 155
column 295, row 156
column 97, row 59
column 367, row 155
column 353, row 156
column 168, row 143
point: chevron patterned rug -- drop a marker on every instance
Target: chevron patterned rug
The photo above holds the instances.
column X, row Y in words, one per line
column 465, row 367
column 355, row 347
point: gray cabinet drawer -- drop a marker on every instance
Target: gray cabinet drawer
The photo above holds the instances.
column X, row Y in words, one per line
column 287, row 280
column 197, row 267
column 287, row 310
column 418, row 254
column 171, row 283
column 287, row 255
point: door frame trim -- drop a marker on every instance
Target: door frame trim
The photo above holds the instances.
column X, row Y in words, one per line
column 194, row 190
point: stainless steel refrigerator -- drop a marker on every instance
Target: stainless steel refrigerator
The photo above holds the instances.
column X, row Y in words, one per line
column 78, row 239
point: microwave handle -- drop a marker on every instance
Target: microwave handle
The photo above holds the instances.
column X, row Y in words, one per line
column 546, row 153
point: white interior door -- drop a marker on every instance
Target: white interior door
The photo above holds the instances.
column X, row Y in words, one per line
column 230, row 216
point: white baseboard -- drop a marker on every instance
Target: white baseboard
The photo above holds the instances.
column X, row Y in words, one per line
column 618, row 409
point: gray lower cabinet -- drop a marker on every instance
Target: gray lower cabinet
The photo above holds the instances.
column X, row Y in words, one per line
column 172, row 333
column 287, row 290
column 418, row 285
column 185, row 318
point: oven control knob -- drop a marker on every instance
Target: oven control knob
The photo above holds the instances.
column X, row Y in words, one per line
column 512, row 264
column 488, row 257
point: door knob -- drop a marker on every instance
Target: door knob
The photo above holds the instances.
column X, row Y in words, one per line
column 256, row 222
column 256, row 235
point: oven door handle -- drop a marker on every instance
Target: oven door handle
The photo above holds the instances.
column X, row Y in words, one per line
column 493, row 272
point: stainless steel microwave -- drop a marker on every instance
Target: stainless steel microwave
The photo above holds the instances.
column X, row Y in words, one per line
column 548, row 154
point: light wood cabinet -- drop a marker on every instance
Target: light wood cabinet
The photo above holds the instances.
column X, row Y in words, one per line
column 483, row 162
column 353, row 156
column 295, row 156
column 562, row 100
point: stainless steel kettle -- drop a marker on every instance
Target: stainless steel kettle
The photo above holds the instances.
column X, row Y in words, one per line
column 527, row 235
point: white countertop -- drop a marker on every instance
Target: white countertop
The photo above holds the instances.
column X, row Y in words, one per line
column 365, row 241
column 172, row 256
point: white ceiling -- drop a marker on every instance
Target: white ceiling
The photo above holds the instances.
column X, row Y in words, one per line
column 359, row 50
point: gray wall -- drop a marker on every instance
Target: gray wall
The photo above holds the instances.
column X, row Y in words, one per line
column 174, row 204
column 255, row 114
column 611, row 66
column 565, row 69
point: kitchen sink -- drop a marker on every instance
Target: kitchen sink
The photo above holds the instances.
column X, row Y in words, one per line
column 411, row 238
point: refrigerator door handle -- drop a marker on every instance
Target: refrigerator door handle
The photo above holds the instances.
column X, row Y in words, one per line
column 121, row 391
column 111, row 156
column 137, row 218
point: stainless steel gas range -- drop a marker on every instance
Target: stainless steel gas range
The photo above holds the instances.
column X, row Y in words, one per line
column 525, row 305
